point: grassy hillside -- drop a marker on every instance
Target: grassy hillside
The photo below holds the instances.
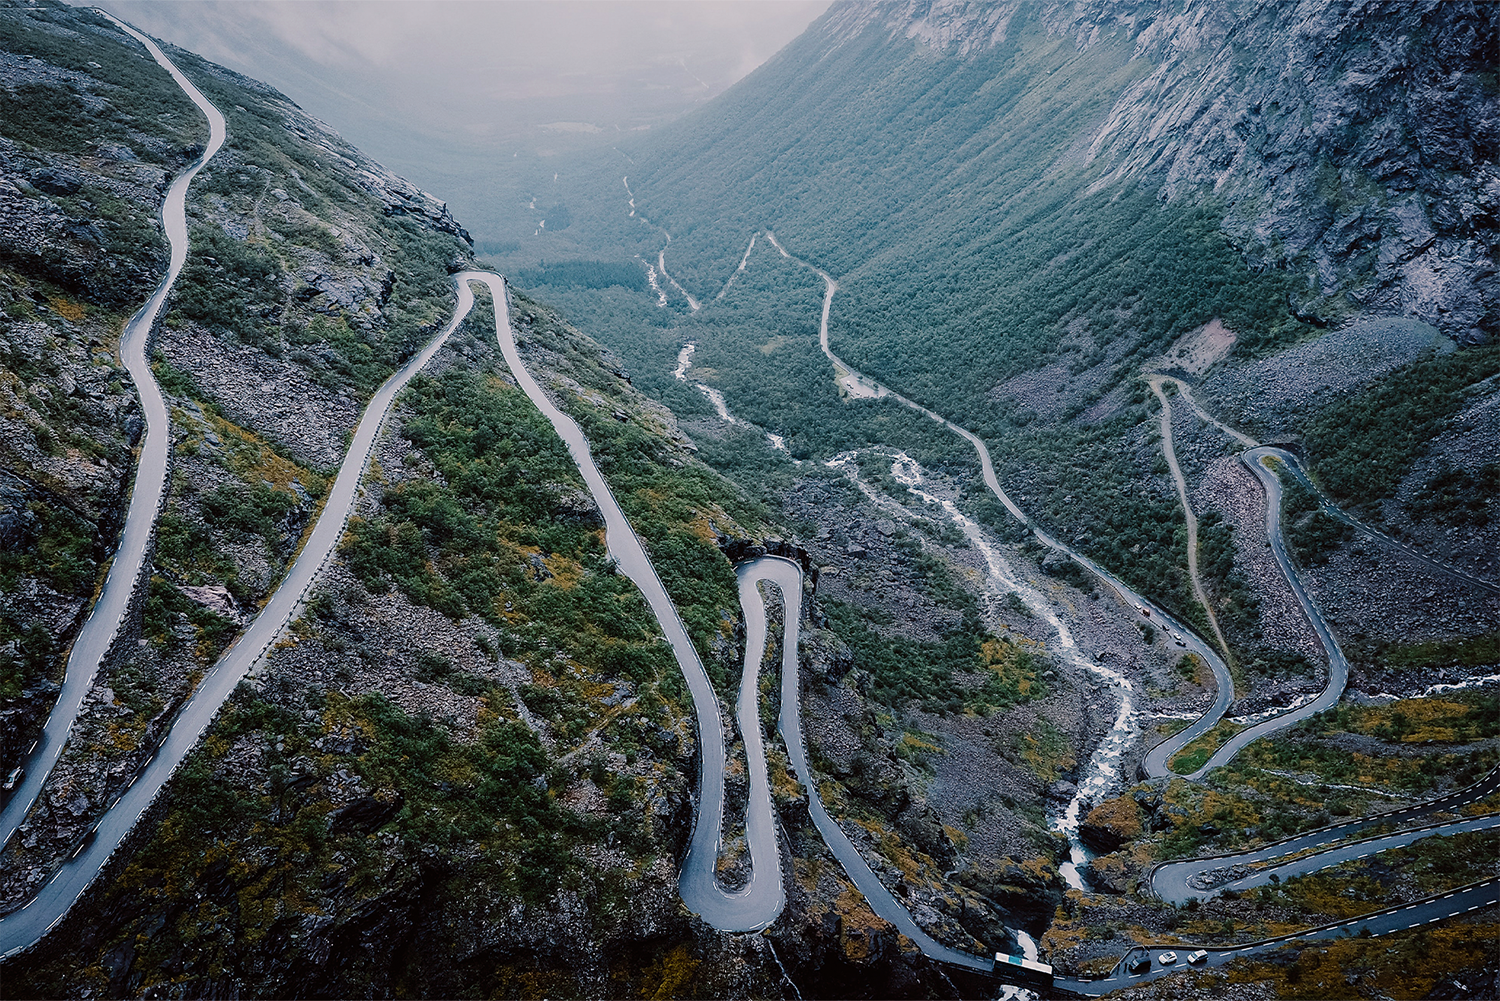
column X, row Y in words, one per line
column 950, row 198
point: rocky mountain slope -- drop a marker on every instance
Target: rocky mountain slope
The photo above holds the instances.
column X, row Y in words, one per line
column 1348, row 143
column 1028, row 209
column 1355, row 143
column 283, row 297
column 472, row 736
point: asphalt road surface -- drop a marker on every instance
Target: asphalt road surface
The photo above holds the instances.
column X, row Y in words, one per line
column 98, row 631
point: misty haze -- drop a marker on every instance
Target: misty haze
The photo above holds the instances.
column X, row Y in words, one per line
column 759, row 499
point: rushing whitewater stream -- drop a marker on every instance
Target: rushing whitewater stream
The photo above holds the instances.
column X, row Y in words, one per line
column 716, row 398
column 1102, row 774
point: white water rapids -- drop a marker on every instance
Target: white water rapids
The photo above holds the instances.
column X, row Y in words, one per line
column 721, row 405
column 1102, row 774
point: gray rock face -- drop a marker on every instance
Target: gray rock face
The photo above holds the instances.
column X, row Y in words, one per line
column 1353, row 142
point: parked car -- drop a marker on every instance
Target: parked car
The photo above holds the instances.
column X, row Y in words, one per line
column 1198, row 957
column 1167, row 958
column 1139, row 963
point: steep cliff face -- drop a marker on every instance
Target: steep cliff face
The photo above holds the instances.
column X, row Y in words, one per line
column 1353, row 142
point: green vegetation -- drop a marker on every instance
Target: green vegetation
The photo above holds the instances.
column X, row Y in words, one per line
column 173, row 380
column 52, row 543
column 1235, row 603
column 270, row 498
column 510, row 535
column 32, row 657
column 259, row 510
column 166, row 606
column 967, row 669
column 233, row 286
column 1197, row 751
column 934, row 673
column 951, row 281
column 1298, row 749
column 1468, row 652
column 1435, row 864
column 46, row 541
column 1410, row 964
column 1312, row 534
column 1362, row 445
column 585, row 274
column 135, row 247
column 1270, row 663
column 484, row 806
column 227, row 285
column 680, row 509
column 1459, row 718
column 139, row 96
column 500, row 539
column 1047, row 751
column 1457, row 497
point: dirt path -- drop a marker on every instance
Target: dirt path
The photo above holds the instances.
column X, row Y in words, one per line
column 1155, row 382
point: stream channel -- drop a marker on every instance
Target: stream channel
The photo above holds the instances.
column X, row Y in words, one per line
column 760, row 901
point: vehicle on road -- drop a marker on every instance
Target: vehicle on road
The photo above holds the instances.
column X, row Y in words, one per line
column 12, row 782
column 1139, row 963
column 1167, row 958
column 1198, row 957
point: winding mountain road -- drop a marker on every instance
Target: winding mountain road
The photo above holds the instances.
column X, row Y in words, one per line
column 1172, row 881
column 1449, row 904
column 1256, row 458
column 1180, row 482
column 858, row 384
column 1338, row 665
column 147, row 490
column 787, row 577
column 760, row 901
column 22, row 928
column 1330, row 508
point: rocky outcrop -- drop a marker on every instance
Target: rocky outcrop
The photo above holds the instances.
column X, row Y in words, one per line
column 1354, row 142
column 401, row 197
column 1351, row 142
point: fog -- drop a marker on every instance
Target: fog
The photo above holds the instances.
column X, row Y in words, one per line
column 444, row 91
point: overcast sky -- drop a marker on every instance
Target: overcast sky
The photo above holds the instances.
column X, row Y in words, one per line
column 482, row 69
column 474, row 100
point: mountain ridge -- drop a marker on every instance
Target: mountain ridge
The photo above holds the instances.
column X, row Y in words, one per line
column 472, row 739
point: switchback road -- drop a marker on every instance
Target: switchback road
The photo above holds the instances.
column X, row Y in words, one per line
column 147, row 490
